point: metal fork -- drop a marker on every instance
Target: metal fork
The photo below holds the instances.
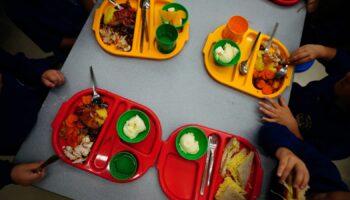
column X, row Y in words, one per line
column 213, row 140
column 266, row 50
column 119, row 7
column 96, row 98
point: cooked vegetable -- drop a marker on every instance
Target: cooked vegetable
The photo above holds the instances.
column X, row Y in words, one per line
column 71, row 119
column 117, row 26
column 267, row 89
column 265, row 69
column 86, row 99
column 260, row 83
column 80, row 129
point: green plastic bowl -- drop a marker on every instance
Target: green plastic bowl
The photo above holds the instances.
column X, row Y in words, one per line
column 177, row 7
column 199, row 136
column 125, row 117
column 222, row 44
column 123, row 165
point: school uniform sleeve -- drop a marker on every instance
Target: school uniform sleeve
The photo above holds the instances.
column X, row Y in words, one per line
column 324, row 176
column 29, row 70
column 339, row 65
column 5, row 173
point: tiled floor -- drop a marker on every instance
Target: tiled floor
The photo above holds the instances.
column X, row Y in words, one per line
column 14, row 40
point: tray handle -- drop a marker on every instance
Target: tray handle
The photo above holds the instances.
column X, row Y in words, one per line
column 208, row 44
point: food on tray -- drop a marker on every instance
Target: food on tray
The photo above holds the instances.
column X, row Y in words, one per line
column 188, row 143
column 173, row 17
column 229, row 190
column 117, row 26
column 91, row 116
column 79, row 153
column 134, row 126
column 226, row 54
column 109, row 14
column 235, row 168
column 80, row 129
column 292, row 193
column 265, row 69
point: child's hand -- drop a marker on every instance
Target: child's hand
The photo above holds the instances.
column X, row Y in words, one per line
column 288, row 161
column 24, row 174
column 311, row 5
column 279, row 113
column 52, row 78
column 310, row 52
column 306, row 53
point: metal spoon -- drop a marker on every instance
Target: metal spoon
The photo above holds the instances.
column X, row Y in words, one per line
column 266, row 50
column 243, row 68
column 281, row 72
column 116, row 4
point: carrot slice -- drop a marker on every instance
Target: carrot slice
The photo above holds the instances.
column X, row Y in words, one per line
column 256, row 74
column 269, row 74
column 260, row 83
column 86, row 99
column 267, row 89
column 71, row 119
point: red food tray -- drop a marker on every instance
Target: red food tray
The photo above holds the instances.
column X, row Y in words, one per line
column 181, row 178
column 286, row 2
column 108, row 142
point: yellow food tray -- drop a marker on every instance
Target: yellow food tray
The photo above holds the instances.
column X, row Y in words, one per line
column 230, row 75
column 153, row 21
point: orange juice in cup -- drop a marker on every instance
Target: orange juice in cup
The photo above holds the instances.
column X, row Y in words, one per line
column 235, row 29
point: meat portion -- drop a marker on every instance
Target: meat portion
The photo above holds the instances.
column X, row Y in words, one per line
column 89, row 116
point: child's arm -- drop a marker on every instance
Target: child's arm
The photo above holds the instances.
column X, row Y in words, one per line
column 280, row 113
column 23, row 68
column 324, row 175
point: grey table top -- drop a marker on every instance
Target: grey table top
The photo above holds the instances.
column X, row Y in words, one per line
column 179, row 90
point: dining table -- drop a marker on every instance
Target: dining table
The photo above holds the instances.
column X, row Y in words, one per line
column 178, row 90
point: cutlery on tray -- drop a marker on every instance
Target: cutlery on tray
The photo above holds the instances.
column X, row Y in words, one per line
column 96, row 97
column 144, row 4
column 266, row 50
column 119, row 7
column 204, row 176
column 243, row 67
column 213, row 140
column 208, row 169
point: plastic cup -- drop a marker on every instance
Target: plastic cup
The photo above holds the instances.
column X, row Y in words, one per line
column 166, row 36
column 123, row 165
column 235, row 29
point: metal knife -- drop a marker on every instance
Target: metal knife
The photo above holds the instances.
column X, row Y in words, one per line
column 144, row 7
column 146, row 4
column 50, row 160
column 142, row 24
column 205, row 172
